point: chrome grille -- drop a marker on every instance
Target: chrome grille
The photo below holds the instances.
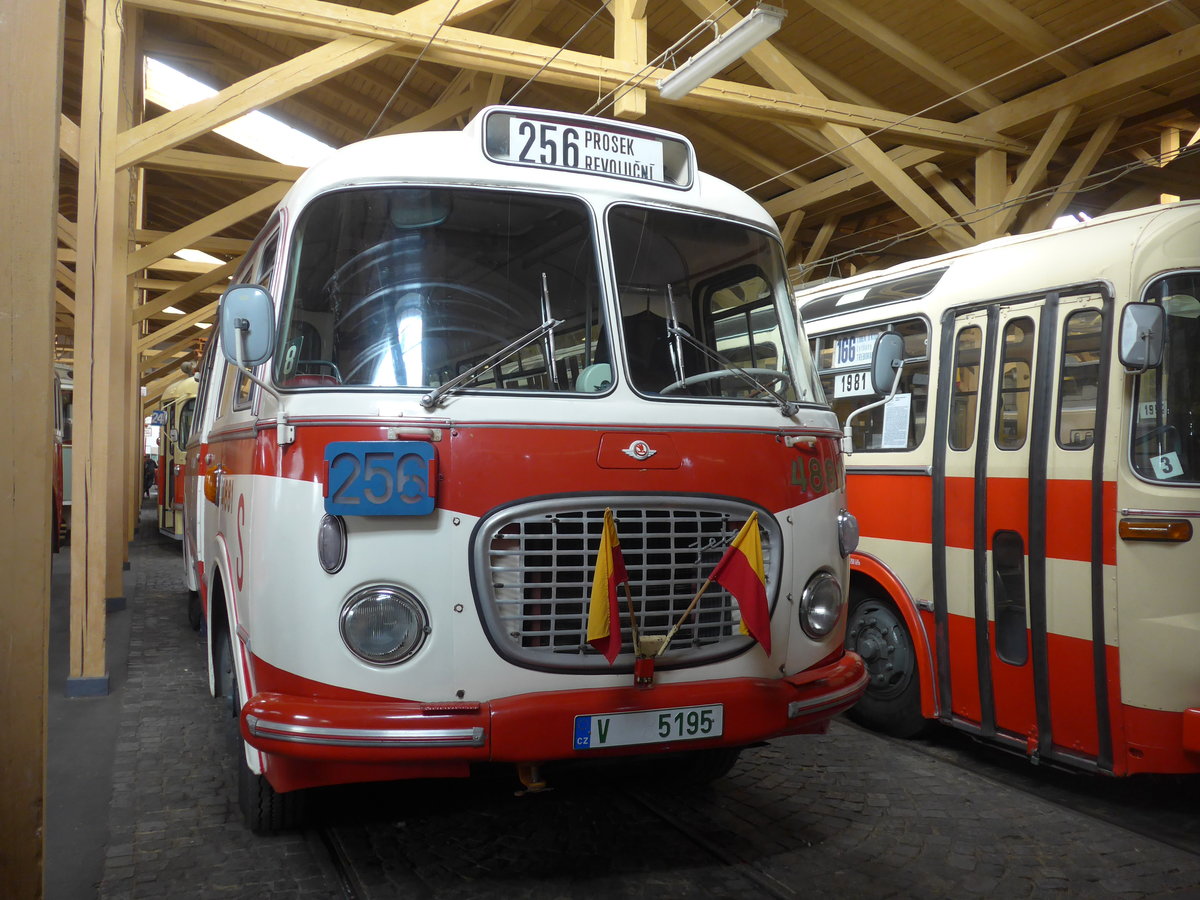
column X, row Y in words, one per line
column 534, row 566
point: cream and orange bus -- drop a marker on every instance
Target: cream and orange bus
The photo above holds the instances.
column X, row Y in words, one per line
column 1027, row 496
column 175, row 416
column 449, row 360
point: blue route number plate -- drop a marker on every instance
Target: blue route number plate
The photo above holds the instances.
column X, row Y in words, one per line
column 380, row 478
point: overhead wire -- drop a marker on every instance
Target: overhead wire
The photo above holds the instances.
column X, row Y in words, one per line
column 603, row 6
column 1108, row 176
column 639, row 77
column 886, row 128
column 412, row 68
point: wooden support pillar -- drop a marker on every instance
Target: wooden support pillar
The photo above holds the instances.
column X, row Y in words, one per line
column 101, row 328
column 29, row 121
column 629, row 45
column 991, row 184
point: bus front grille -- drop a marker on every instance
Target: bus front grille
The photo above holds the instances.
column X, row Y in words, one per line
column 534, row 563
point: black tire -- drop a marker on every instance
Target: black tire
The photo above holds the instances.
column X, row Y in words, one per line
column 195, row 613
column 876, row 631
column 264, row 810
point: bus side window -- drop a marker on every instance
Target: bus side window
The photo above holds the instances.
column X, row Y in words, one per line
column 900, row 425
column 1016, row 370
column 1079, row 379
column 965, row 399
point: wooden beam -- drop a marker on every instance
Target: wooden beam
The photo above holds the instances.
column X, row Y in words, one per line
column 905, row 52
column 206, row 313
column 152, row 362
column 1033, row 171
column 1085, row 161
column 508, row 56
column 991, row 184
column 68, row 139
column 818, row 247
column 788, row 233
column 206, row 227
column 629, row 45
column 208, row 244
column 217, row 166
column 216, row 275
column 66, row 231
column 851, row 142
column 1120, row 75
column 100, row 323
column 950, row 192
column 281, row 81
column 67, row 303
column 695, row 127
column 29, row 119
column 1014, row 24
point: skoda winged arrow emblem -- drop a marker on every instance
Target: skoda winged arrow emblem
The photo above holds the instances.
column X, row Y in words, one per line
column 639, row 450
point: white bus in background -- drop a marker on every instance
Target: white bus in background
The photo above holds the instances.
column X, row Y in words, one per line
column 463, row 350
column 1027, row 499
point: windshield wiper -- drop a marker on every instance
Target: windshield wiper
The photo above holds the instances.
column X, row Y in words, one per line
column 787, row 407
column 439, row 393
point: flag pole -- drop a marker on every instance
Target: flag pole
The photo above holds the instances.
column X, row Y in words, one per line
column 683, row 618
column 633, row 627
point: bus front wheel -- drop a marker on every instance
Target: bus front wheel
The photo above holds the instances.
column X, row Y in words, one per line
column 264, row 810
column 892, row 703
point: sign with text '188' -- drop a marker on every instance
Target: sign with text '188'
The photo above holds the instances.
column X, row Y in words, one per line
column 379, row 478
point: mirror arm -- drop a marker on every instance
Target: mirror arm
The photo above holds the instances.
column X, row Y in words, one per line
column 242, row 326
column 847, row 431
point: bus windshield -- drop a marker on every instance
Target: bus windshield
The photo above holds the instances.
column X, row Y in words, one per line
column 704, row 304
column 412, row 287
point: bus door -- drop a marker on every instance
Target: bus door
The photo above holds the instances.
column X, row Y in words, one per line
column 1021, row 510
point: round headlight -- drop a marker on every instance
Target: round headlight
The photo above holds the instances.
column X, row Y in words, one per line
column 331, row 543
column 847, row 532
column 820, row 605
column 384, row 625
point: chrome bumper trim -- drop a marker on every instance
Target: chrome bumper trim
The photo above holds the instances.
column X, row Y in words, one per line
column 367, row 737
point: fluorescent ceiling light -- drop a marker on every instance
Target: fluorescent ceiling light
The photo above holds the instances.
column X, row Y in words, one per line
column 762, row 22
column 171, row 89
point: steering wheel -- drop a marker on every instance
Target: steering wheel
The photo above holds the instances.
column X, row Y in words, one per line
column 767, row 375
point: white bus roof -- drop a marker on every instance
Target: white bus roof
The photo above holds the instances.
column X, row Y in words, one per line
column 1099, row 249
column 459, row 158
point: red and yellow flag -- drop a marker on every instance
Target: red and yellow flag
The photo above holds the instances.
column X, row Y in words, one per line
column 740, row 572
column 604, row 615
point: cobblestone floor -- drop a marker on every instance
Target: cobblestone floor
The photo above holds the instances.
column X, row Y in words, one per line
column 843, row 815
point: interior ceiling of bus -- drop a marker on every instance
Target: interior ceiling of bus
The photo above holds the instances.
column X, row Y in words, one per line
column 873, row 131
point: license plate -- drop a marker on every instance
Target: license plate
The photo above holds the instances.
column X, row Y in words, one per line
column 651, row 726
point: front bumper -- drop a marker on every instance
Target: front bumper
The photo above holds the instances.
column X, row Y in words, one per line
column 425, row 738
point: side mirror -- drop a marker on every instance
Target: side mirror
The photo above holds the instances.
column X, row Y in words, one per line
column 886, row 360
column 1142, row 333
column 247, row 318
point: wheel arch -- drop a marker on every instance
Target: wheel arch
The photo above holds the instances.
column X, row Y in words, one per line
column 869, row 576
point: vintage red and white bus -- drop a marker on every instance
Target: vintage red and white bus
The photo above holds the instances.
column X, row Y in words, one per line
column 175, row 418
column 463, row 350
column 1027, row 497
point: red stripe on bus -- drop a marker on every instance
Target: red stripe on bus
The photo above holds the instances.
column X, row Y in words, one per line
column 485, row 467
column 900, row 508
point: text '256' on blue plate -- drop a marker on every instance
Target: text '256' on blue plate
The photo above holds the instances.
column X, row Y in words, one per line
column 380, row 478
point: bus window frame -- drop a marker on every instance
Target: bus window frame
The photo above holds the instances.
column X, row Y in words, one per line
column 1135, row 385
column 913, row 367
